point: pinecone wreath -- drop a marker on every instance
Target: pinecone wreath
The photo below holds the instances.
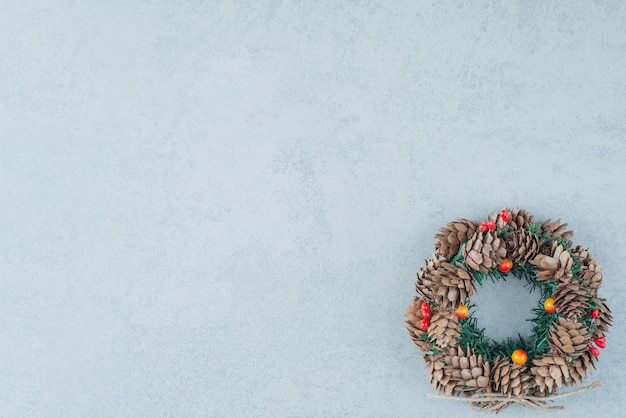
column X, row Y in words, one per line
column 568, row 328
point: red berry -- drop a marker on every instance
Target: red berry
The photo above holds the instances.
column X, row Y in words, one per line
column 424, row 324
column 594, row 350
column 426, row 314
column 425, row 306
column 600, row 342
column 491, row 225
column 504, row 214
column 483, row 227
column 594, row 313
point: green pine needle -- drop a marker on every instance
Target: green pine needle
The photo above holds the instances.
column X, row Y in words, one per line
column 459, row 255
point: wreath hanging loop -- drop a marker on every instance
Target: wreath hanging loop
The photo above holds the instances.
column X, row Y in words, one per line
column 568, row 327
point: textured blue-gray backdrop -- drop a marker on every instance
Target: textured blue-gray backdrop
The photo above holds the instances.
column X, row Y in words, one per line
column 218, row 208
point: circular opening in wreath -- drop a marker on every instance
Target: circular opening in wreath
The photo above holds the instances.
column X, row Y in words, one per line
column 504, row 308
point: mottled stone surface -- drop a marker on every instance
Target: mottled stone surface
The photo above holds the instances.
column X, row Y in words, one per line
column 218, row 208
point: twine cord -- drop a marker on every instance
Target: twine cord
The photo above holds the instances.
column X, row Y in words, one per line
column 496, row 402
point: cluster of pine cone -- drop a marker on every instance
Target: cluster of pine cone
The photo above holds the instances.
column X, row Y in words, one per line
column 447, row 280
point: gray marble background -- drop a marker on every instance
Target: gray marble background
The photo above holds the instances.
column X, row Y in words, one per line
column 218, row 208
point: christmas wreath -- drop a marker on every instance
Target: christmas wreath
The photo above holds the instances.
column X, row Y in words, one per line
column 569, row 321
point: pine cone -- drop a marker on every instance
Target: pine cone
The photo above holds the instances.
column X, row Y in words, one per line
column 555, row 266
column 550, row 372
column 461, row 372
column 578, row 368
column 484, row 251
column 438, row 378
column 471, row 373
column 570, row 338
column 556, row 230
column 604, row 319
column 427, row 271
column 511, row 379
column 523, row 246
column 520, row 218
column 446, row 284
column 430, row 266
column 444, row 328
column 591, row 271
column 453, row 235
column 571, row 300
column 414, row 319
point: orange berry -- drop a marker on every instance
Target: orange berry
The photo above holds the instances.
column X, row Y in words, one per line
column 519, row 357
column 505, row 266
column 548, row 305
column 462, row 312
